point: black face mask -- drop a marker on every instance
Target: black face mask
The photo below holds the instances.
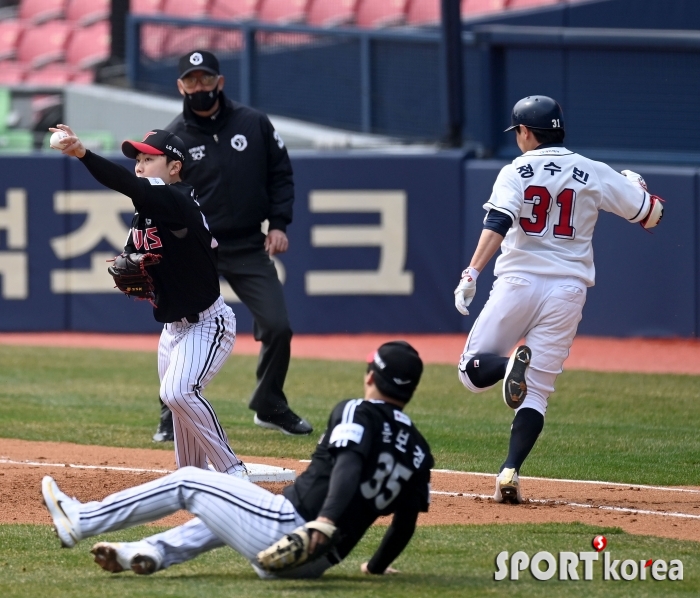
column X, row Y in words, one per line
column 202, row 101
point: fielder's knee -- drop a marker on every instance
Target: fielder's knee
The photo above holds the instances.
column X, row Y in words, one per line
column 534, row 401
column 466, row 380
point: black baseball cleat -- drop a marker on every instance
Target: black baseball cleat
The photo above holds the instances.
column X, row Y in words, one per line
column 164, row 433
column 287, row 422
column 514, row 385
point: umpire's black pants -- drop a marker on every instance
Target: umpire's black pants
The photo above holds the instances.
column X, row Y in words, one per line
column 253, row 277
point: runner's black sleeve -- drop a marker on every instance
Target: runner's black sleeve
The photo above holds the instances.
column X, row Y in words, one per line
column 396, row 538
column 114, row 176
column 345, row 478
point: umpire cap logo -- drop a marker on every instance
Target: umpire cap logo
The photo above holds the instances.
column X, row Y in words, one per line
column 196, row 59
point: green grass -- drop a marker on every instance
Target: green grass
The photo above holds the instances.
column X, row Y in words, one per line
column 614, row 427
column 446, row 561
column 628, row 428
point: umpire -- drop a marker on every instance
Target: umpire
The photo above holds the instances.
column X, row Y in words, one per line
column 240, row 168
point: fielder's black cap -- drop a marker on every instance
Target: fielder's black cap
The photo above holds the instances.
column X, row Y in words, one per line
column 198, row 60
column 156, row 142
column 537, row 112
column 397, row 368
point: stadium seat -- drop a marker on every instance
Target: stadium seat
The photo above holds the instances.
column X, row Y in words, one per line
column 186, row 39
column 153, row 39
column 471, row 8
column 11, row 73
column 191, row 9
column 89, row 46
column 423, row 12
column 53, row 74
column 86, row 12
column 9, row 35
column 145, row 7
column 331, row 13
column 40, row 11
column 83, row 77
column 43, row 44
column 371, row 13
column 282, row 11
column 228, row 42
column 234, row 10
column 512, row 4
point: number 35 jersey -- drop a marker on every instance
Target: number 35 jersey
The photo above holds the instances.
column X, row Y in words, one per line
column 553, row 196
column 396, row 465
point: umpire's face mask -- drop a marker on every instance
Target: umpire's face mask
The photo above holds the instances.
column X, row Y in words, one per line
column 201, row 101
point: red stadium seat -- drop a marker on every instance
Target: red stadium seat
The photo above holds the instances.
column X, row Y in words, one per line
column 145, row 7
column 530, row 3
column 371, row 13
column 192, row 9
column 43, row 44
column 11, row 73
column 471, row 8
column 282, row 11
column 181, row 41
column 83, row 77
column 228, row 42
column 88, row 46
column 9, row 36
column 423, row 12
column 86, row 12
column 39, row 11
column 50, row 75
column 153, row 39
column 234, row 10
column 331, row 13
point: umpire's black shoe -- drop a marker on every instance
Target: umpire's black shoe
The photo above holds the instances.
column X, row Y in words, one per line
column 164, row 433
column 514, row 385
column 287, row 423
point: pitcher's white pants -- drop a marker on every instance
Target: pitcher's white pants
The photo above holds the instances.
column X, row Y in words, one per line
column 545, row 310
column 189, row 356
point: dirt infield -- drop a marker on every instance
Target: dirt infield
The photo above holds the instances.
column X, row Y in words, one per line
column 661, row 356
column 457, row 497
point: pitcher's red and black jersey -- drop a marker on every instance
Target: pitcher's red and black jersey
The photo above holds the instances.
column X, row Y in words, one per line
column 395, row 473
column 167, row 222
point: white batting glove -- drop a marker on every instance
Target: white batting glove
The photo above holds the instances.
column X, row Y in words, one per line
column 465, row 291
column 635, row 178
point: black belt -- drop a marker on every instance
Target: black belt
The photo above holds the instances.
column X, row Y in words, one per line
column 192, row 318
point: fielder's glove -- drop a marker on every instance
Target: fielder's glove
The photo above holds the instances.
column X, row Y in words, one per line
column 464, row 293
column 656, row 209
column 131, row 277
column 293, row 549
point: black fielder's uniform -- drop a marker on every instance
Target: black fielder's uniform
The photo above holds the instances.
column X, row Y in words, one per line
column 371, row 461
column 199, row 328
column 240, row 168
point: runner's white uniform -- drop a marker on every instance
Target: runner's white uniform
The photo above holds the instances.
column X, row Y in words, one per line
column 553, row 196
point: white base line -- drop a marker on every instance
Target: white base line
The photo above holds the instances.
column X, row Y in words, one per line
column 493, row 475
column 578, row 505
column 465, row 494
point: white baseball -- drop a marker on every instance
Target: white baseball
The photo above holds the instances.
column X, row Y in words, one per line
column 55, row 141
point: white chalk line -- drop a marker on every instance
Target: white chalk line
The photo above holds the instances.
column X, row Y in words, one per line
column 546, row 501
column 597, row 483
column 437, row 492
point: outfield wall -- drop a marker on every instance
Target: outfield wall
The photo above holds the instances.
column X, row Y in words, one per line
column 377, row 245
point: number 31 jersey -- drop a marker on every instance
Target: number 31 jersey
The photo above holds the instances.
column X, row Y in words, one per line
column 553, row 196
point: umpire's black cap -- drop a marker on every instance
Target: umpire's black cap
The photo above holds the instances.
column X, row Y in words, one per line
column 397, row 368
column 156, row 142
column 198, row 60
column 537, row 112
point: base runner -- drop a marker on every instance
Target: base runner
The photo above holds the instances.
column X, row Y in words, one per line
column 541, row 214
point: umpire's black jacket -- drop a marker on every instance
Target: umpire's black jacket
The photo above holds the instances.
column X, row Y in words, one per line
column 240, row 168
